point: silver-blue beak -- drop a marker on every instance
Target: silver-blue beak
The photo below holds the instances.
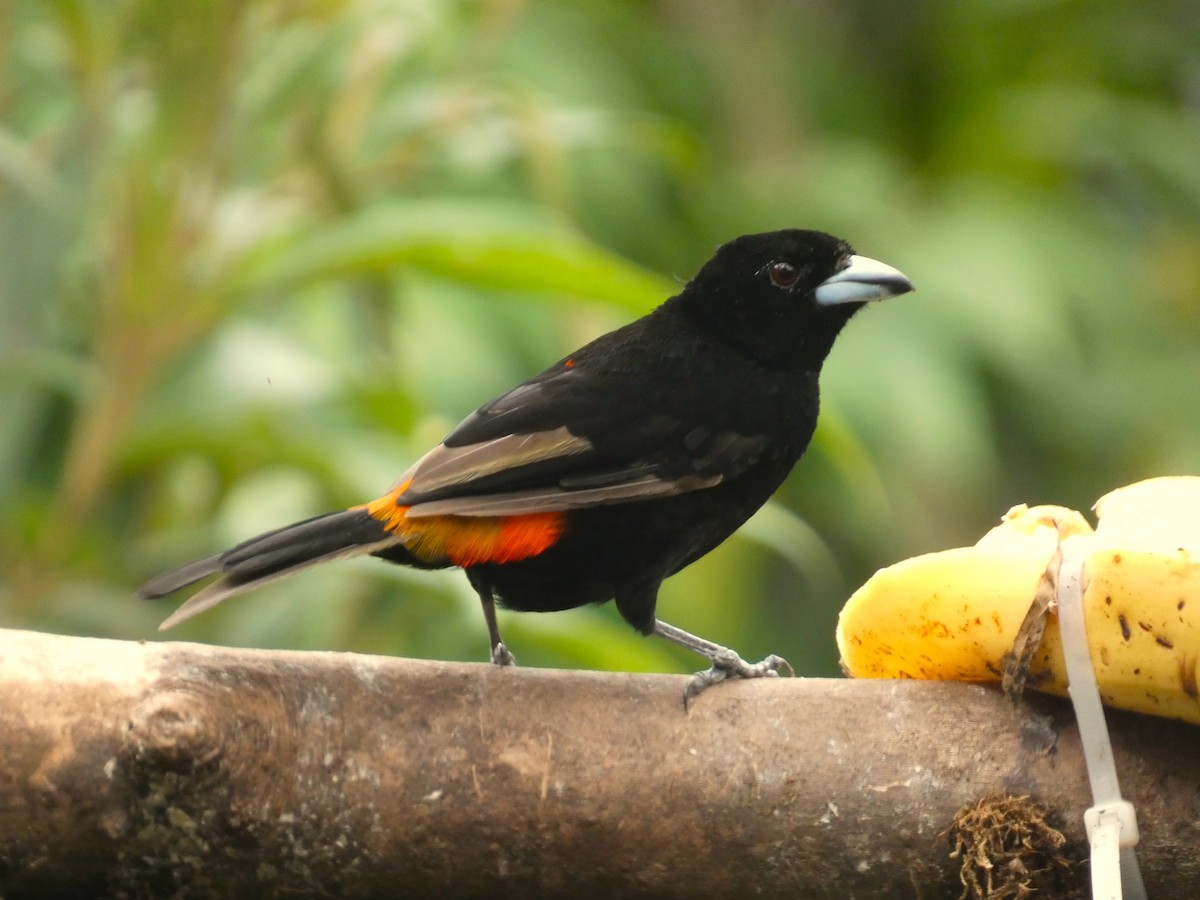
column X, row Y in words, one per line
column 863, row 280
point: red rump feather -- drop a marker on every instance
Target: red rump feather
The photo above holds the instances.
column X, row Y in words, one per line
column 467, row 540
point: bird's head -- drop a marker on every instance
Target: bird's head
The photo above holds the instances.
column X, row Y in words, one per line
column 788, row 293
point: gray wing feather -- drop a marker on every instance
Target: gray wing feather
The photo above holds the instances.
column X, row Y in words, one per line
column 446, row 467
column 555, row 499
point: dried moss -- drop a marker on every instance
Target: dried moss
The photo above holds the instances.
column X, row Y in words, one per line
column 1008, row 849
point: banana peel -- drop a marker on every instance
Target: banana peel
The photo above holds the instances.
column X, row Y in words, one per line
column 957, row 614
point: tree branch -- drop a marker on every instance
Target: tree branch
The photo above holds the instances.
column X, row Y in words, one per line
column 130, row 769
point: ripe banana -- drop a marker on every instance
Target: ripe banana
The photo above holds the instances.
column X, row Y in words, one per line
column 956, row 614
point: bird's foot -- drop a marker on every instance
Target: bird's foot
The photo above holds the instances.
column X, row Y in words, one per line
column 727, row 664
column 501, row 656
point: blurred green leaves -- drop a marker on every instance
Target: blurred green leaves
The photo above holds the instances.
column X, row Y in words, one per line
column 255, row 258
column 483, row 245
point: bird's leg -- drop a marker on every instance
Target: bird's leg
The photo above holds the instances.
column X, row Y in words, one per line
column 500, row 654
column 725, row 662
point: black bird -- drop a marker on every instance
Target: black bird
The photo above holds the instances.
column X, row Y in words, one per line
column 618, row 465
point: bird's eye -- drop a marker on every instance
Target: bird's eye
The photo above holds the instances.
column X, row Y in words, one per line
column 784, row 275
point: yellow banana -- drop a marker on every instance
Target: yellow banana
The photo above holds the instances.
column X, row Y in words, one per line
column 955, row 614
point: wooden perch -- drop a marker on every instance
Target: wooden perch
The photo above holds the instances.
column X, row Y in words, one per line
column 132, row 770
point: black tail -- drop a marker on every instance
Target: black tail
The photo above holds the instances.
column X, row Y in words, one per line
column 270, row 556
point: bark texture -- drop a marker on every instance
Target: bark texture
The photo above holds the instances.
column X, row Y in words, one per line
column 156, row 770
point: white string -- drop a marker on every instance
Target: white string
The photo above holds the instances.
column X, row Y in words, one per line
column 1111, row 821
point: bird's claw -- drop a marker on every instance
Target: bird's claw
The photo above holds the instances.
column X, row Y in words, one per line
column 502, row 656
column 727, row 664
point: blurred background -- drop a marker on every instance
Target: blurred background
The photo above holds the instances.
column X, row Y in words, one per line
column 256, row 257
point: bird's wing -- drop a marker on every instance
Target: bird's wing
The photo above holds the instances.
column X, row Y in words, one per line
column 569, row 439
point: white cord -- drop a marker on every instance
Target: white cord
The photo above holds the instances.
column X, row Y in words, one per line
column 1111, row 821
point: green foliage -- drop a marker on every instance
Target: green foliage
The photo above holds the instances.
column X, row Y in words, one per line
column 256, row 257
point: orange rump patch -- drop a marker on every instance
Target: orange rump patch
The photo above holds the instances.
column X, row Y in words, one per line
column 467, row 540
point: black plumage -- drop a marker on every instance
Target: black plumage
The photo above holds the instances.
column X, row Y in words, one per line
column 618, row 465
